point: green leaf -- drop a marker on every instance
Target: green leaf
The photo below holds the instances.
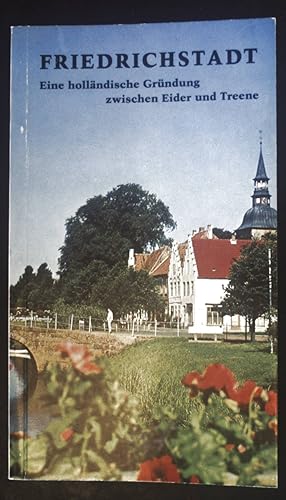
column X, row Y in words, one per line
column 103, row 410
column 37, row 452
column 111, row 444
column 70, row 402
column 57, row 426
column 96, row 459
column 77, row 438
column 200, row 453
column 232, row 405
column 63, row 468
column 94, row 427
column 16, row 453
column 80, row 388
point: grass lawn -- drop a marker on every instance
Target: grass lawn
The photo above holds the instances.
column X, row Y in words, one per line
column 153, row 370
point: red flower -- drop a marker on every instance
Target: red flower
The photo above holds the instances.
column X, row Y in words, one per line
column 75, row 352
column 67, row 434
column 159, row 469
column 88, row 367
column 80, row 357
column 271, row 405
column 229, row 446
column 192, row 381
column 273, row 425
column 216, row 377
column 243, row 394
column 195, row 479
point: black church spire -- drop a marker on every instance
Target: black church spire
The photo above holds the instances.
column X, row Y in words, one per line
column 261, row 172
column 261, row 194
column 261, row 217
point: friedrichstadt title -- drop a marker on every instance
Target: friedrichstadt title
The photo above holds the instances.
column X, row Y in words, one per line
column 149, row 59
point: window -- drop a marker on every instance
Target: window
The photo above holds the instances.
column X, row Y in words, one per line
column 188, row 288
column 188, row 266
column 214, row 316
column 260, row 321
column 184, row 285
column 235, row 321
column 190, row 313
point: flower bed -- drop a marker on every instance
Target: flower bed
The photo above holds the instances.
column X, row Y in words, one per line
column 100, row 433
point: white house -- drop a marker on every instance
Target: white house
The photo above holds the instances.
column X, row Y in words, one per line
column 211, row 261
column 198, row 274
column 175, row 280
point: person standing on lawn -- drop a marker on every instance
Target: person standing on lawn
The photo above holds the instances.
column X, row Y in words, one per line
column 109, row 320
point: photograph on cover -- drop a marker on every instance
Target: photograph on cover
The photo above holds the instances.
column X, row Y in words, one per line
column 143, row 253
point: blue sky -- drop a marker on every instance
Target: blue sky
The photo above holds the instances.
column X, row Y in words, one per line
column 198, row 157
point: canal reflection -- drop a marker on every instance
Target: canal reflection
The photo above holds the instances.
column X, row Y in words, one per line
column 27, row 392
column 32, row 416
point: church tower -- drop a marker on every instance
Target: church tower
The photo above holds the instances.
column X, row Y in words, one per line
column 261, row 218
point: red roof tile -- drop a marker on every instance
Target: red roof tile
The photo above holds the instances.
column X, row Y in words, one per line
column 215, row 257
column 156, row 263
column 163, row 269
column 203, row 235
column 140, row 261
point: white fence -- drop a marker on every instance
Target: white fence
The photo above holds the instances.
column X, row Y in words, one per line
column 135, row 326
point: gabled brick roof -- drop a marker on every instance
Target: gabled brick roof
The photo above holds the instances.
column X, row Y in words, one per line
column 203, row 235
column 156, row 263
column 140, row 261
column 215, row 257
column 162, row 269
column 182, row 247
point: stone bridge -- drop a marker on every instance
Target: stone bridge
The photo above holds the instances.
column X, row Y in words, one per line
column 42, row 343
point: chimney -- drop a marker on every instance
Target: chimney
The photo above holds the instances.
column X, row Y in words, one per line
column 131, row 258
column 210, row 231
column 233, row 239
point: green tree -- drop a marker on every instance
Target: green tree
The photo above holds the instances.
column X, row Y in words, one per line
column 248, row 291
column 42, row 295
column 222, row 233
column 34, row 291
column 98, row 238
column 106, row 227
column 122, row 289
column 13, row 297
column 20, row 293
column 125, row 290
column 80, row 310
column 76, row 287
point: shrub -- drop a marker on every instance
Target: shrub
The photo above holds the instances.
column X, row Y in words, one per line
column 100, row 429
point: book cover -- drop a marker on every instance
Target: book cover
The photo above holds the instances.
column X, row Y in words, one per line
column 143, row 254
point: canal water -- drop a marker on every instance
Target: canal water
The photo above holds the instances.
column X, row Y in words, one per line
column 31, row 415
column 27, row 391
